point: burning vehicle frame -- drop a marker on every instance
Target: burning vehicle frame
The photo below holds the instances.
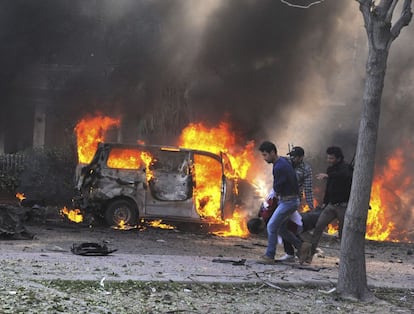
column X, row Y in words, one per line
column 126, row 183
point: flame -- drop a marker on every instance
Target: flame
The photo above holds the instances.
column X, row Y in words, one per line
column 216, row 140
column 208, row 174
column 20, row 196
column 128, row 158
column 236, row 226
column 387, row 188
column 123, row 226
column 332, row 229
column 124, row 158
column 304, row 208
column 147, row 159
column 72, row 214
column 159, row 224
column 89, row 132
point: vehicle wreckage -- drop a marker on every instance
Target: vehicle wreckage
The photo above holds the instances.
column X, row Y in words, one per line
column 126, row 183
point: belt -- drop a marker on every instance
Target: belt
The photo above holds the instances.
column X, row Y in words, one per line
column 288, row 197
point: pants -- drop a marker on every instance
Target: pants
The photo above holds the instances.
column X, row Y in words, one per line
column 277, row 225
column 329, row 213
column 309, row 220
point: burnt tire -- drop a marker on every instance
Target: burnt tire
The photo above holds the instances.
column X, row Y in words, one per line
column 121, row 210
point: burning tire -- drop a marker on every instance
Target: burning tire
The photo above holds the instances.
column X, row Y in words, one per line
column 121, row 212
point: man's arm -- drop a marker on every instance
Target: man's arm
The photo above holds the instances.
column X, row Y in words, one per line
column 307, row 187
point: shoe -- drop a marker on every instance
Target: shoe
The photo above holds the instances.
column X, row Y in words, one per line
column 264, row 259
column 286, row 258
column 305, row 253
column 308, row 259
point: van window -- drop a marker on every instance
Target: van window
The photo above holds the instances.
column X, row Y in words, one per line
column 124, row 158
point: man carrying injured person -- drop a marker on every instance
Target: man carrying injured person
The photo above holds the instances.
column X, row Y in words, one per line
column 301, row 224
column 286, row 189
column 338, row 188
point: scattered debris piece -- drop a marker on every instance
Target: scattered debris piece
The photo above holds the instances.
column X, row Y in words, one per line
column 328, row 292
column 91, row 249
column 240, row 262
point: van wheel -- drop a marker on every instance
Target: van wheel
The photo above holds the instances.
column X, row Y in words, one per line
column 121, row 211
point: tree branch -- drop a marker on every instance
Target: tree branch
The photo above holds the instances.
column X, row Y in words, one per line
column 404, row 20
column 366, row 6
column 301, row 6
column 386, row 4
column 390, row 11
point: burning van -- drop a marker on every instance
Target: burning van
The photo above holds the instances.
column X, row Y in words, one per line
column 127, row 183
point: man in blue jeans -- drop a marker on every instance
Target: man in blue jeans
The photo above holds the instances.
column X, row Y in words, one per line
column 286, row 188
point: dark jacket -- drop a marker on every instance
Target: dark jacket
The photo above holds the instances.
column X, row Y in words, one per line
column 338, row 186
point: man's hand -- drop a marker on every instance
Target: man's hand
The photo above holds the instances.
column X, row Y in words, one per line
column 271, row 195
column 321, row 176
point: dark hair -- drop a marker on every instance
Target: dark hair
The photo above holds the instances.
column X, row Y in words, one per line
column 267, row 147
column 336, row 151
column 254, row 225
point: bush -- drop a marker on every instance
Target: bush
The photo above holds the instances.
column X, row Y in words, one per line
column 49, row 175
column 8, row 183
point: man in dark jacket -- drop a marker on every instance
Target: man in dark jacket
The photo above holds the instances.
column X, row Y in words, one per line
column 335, row 201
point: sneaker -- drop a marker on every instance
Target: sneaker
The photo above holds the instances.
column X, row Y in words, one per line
column 264, row 259
column 286, row 258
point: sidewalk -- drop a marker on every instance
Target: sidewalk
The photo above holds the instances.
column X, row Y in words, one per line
column 121, row 267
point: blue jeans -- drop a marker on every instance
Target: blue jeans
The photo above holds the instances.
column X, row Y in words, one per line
column 277, row 226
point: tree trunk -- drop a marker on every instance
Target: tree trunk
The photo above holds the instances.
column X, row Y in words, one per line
column 352, row 272
column 352, row 281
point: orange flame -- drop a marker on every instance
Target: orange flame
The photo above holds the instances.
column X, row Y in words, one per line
column 20, row 196
column 124, row 158
column 236, row 226
column 89, row 132
column 159, row 224
column 386, row 190
column 123, row 226
column 332, row 229
column 72, row 214
column 147, row 159
column 304, row 208
column 129, row 158
column 216, row 140
column 207, row 193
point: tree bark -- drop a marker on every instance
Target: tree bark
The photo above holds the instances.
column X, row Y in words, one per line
column 352, row 281
column 352, row 272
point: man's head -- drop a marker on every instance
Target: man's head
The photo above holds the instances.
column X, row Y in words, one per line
column 269, row 151
column 296, row 154
column 255, row 225
column 334, row 155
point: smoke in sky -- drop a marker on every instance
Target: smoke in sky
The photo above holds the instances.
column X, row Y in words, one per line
column 274, row 71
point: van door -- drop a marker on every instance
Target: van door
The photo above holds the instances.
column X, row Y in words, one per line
column 170, row 188
column 228, row 188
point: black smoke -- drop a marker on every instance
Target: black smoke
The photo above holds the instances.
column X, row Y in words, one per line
column 271, row 70
column 122, row 58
